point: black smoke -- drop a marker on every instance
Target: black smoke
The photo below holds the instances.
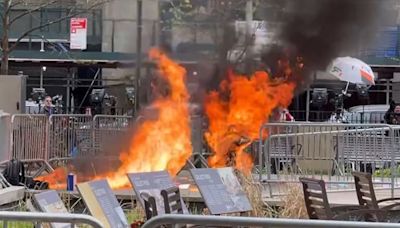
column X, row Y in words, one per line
column 321, row 30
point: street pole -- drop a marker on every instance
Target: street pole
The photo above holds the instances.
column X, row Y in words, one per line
column 308, row 105
column 248, row 42
column 41, row 77
column 138, row 54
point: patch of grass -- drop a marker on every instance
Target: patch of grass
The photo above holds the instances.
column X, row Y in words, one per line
column 386, row 172
column 136, row 214
column 17, row 225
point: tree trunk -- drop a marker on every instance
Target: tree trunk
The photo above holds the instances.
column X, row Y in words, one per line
column 4, row 63
column 4, row 42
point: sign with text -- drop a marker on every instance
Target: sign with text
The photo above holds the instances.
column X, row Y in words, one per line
column 221, row 190
column 102, row 203
column 50, row 202
column 78, row 33
column 152, row 183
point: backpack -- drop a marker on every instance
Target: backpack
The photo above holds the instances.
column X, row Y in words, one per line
column 15, row 172
column 15, row 175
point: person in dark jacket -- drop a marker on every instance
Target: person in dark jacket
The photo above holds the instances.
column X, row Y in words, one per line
column 392, row 115
column 47, row 107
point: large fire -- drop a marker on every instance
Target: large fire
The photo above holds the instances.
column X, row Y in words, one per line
column 236, row 113
column 157, row 144
column 164, row 143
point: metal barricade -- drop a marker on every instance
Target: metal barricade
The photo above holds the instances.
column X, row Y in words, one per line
column 5, row 134
column 108, row 129
column 29, row 134
column 69, row 136
column 327, row 151
column 35, row 219
column 236, row 221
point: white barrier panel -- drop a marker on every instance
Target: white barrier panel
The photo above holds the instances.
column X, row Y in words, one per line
column 5, row 134
column 29, row 134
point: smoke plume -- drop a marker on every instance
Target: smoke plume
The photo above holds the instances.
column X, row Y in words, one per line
column 321, row 30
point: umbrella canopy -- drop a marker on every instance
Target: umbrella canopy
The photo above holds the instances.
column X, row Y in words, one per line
column 352, row 70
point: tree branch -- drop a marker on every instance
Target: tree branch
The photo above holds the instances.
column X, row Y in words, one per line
column 31, row 11
column 16, row 3
column 70, row 15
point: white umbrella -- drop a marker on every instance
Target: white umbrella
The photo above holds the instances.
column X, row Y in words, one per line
column 352, row 70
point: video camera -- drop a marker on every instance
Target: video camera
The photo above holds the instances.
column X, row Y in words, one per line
column 131, row 94
column 38, row 94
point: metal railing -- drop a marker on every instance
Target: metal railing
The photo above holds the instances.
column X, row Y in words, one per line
column 28, row 219
column 69, row 135
column 327, row 151
column 376, row 117
column 175, row 219
column 29, row 133
column 58, row 137
column 108, row 129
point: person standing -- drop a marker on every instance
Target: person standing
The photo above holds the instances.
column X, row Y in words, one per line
column 47, row 108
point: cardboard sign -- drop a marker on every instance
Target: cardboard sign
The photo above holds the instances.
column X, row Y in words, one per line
column 153, row 183
column 221, row 190
column 78, row 33
column 102, row 203
column 49, row 201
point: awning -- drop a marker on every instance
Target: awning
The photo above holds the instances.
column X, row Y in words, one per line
column 74, row 59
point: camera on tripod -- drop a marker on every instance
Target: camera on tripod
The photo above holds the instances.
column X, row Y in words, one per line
column 58, row 103
column 96, row 99
column 131, row 94
column 38, row 94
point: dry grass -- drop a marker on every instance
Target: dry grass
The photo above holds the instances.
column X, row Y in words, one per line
column 253, row 191
column 293, row 205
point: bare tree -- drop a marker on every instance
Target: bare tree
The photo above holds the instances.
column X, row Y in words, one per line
column 216, row 19
column 26, row 7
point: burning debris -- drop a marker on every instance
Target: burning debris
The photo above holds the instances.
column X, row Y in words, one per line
column 236, row 113
column 161, row 143
column 164, row 143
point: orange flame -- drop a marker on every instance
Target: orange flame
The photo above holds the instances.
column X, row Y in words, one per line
column 157, row 144
column 56, row 179
column 164, row 143
column 237, row 112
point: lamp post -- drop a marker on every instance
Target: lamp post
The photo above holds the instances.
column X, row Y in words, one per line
column 42, row 69
column 138, row 52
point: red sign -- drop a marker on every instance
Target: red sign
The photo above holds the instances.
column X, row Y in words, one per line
column 78, row 33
